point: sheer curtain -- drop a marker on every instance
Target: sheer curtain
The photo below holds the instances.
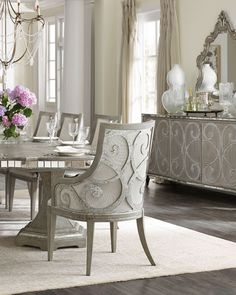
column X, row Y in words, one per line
column 127, row 55
column 169, row 48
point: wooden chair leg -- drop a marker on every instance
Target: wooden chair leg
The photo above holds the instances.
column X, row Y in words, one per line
column 33, row 196
column 7, row 186
column 40, row 185
column 113, row 232
column 140, row 226
column 11, row 182
column 90, row 234
column 51, row 227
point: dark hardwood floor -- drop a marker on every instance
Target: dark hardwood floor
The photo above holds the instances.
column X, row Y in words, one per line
column 205, row 211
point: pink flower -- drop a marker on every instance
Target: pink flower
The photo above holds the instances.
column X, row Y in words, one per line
column 5, row 121
column 19, row 120
column 23, row 96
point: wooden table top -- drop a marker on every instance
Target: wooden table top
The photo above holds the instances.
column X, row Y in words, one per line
column 36, row 154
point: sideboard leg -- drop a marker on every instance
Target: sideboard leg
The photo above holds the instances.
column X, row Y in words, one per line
column 147, row 180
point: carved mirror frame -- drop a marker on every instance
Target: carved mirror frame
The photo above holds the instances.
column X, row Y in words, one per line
column 223, row 25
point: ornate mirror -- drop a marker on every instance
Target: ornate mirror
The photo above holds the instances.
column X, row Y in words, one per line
column 219, row 51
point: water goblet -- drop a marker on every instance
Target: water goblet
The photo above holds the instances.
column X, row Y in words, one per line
column 73, row 130
column 51, row 128
column 83, row 134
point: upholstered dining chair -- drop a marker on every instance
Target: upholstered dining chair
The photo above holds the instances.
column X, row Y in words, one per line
column 98, row 119
column 67, row 118
column 111, row 190
column 32, row 179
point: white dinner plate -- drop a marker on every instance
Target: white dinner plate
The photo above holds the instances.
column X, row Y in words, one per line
column 43, row 138
column 70, row 151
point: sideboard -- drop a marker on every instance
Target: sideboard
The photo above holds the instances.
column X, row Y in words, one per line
column 199, row 151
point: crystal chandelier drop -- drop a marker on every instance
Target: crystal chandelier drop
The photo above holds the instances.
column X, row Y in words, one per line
column 19, row 34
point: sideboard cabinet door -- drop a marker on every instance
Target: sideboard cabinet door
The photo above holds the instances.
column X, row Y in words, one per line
column 219, row 154
column 185, row 150
column 160, row 156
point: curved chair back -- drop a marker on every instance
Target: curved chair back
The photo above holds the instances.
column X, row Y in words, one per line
column 114, row 184
column 96, row 126
column 65, row 120
column 43, row 118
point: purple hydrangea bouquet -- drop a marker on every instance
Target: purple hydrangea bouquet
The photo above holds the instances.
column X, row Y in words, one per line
column 15, row 109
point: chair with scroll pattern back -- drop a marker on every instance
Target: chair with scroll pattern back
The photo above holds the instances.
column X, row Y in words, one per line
column 111, row 190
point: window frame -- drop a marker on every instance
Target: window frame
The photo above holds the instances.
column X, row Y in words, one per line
column 59, row 50
column 141, row 57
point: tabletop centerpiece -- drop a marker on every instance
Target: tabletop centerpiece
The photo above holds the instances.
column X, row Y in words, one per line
column 15, row 110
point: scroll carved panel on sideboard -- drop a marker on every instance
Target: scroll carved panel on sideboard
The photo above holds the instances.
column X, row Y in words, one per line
column 198, row 151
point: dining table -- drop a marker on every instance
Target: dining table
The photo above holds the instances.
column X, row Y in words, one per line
column 43, row 158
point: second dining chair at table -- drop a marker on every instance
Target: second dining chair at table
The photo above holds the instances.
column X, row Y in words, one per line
column 95, row 126
column 33, row 179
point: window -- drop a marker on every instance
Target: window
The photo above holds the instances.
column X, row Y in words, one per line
column 54, row 53
column 144, row 91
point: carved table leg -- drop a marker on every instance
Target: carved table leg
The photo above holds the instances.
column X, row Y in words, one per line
column 35, row 232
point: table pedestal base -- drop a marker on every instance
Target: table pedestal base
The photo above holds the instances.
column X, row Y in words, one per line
column 73, row 236
column 68, row 233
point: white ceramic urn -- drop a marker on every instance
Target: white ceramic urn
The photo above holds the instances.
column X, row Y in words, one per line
column 176, row 77
column 209, row 79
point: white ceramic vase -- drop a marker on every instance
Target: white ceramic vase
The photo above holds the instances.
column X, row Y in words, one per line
column 209, row 79
column 176, row 77
column 173, row 99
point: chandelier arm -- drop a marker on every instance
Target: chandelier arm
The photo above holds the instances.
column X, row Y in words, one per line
column 2, row 10
column 9, row 4
column 38, row 18
column 9, row 51
column 26, row 48
column 12, row 17
column 14, row 46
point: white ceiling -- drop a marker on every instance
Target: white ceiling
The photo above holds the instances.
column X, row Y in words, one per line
column 44, row 4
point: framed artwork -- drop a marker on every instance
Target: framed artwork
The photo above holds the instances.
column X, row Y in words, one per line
column 214, row 59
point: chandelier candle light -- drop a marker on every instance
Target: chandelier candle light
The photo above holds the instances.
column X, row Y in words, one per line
column 18, row 29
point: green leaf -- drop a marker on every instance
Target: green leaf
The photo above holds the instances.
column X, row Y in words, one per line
column 4, row 100
column 10, row 132
column 17, row 107
column 27, row 112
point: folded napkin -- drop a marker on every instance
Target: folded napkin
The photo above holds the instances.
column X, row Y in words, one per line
column 68, row 149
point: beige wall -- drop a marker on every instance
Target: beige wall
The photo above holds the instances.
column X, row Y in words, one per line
column 108, row 26
column 197, row 19
column 107, row 50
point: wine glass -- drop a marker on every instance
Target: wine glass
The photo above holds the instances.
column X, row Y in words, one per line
column 83, row 134
column 51, row 128
column 73, row 130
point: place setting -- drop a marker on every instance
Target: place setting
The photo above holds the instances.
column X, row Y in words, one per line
column 52, row 128
column 79, row 145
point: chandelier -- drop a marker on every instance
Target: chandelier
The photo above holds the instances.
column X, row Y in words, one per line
column 19, row 35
